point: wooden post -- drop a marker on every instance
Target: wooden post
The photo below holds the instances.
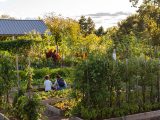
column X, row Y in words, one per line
column 57, row 49
column 127, row 83
column 13, row 37
column 88, row 95
column 29, row 79
column 62, row 60
column 17, row 72
column 158, row 82
column 29, row 62
column 137, row 82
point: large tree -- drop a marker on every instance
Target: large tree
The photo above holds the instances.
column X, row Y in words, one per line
column 90, row 26
column 153, row 2
column 100, row 31
column 63, row 29
column 87, row 25
column 83, row 24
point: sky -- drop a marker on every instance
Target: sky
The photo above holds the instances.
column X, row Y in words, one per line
column 104, row 13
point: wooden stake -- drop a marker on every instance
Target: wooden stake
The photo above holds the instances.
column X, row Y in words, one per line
column 17, row 72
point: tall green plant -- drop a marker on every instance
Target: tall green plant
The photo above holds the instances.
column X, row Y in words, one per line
column 7, row 75
column 28, row 108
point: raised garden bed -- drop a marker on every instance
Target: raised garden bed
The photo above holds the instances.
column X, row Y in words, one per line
column 152, row 115
column 140, row 116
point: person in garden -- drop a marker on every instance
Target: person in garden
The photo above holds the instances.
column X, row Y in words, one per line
column 60, row 83
column 47, row 83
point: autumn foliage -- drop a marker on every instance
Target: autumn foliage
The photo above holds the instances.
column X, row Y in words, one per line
column 53, row 54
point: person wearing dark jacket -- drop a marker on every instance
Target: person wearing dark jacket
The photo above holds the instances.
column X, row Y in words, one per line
column 60, row 83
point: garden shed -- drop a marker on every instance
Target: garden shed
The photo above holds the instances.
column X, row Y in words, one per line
column 12, row 27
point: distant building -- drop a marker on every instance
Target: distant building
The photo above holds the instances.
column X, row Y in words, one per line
column 11, row 27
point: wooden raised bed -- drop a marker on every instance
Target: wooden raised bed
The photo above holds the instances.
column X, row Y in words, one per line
column 153, row 115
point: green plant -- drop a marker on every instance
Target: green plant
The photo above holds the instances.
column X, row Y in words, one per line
column 29, row 74
column 66, row 106
column 7, row 75
column 32, row 109
column 28, row 108
column 40, row 73
column 128, row 86
column 17, row 95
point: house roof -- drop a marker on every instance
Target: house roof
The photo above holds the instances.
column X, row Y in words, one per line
column 21, row 27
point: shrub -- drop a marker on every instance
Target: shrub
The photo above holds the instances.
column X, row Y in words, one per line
column 105, row 83
column 28, row 108
column 40, row 73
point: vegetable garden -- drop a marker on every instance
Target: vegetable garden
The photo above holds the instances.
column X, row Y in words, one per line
column 101, row 85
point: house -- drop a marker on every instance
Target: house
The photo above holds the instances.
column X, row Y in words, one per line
column 12, row 27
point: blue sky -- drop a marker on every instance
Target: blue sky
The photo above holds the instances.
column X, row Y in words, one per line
column 104, row 12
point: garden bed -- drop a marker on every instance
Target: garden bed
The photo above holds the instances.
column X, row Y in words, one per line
column 140, row 116
column 152, row 115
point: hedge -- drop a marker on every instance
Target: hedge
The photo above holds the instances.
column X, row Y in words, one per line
column 40, row 73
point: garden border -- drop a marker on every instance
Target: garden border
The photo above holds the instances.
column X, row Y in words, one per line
column 139, row 116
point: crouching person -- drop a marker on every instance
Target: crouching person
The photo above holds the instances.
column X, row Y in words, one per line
column 60, row 83
column 47, row 83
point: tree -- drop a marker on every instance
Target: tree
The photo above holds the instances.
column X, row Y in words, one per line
column 90, row 26
column 6, row 17
column 83, row 24
column 87, row 25
column 100, row 31
column 67, row 35
column 144, row 24
column 62, row 29
column 153, row 2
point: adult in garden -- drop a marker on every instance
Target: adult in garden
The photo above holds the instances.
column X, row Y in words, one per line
column 60, row 83
column 47, row 83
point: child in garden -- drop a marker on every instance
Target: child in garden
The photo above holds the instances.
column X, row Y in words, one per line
column 47, row 83
column 60, row 83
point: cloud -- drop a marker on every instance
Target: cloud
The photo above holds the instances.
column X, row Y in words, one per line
column 107, row 19
column 3, row 0
column 96, row 16
column 109, row 14
column 98, row 21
